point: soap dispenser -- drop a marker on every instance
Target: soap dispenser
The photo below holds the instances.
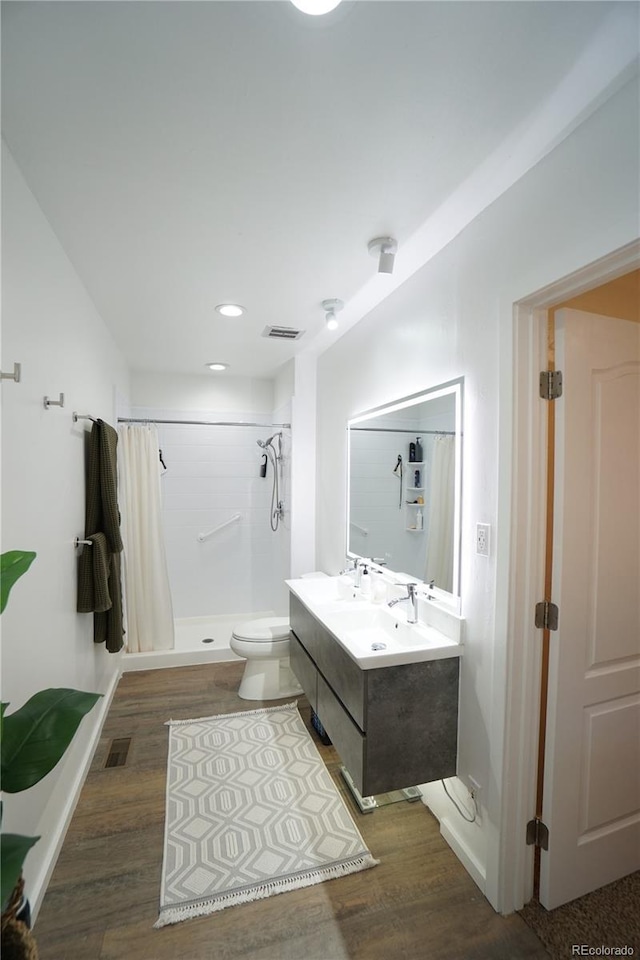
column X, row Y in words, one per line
column 365, row 582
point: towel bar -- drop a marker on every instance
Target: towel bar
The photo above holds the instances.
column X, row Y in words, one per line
column 78, row 542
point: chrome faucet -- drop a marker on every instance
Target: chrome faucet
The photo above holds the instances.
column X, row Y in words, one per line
column 412, row 597
column 359, row 565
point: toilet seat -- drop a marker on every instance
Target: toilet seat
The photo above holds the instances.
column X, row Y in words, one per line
column 265, row 629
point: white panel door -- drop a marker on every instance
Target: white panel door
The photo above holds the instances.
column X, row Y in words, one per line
column 592, row 763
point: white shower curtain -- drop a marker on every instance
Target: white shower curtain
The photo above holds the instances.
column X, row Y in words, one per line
column 441, row 512
column 149, row 612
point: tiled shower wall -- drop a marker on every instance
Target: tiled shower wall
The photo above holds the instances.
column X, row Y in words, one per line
column 213, row 473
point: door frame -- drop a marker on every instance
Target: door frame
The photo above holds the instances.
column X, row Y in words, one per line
column 527, row 542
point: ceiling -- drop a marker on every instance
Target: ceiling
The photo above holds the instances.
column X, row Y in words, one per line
column 188, row 154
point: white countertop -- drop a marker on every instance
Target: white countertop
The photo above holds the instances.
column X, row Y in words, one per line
column 373, row 634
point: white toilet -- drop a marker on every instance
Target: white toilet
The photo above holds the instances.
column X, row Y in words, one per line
column 264, row 643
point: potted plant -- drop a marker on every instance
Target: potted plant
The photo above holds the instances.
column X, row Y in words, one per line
column 34, row 738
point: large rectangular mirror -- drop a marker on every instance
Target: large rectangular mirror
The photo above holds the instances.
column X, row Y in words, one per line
column 404, row 485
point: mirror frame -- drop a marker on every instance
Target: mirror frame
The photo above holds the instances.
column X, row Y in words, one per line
column 451, row 387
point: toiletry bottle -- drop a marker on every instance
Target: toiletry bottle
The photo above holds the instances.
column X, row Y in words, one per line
column 365, row 583
column 412, row 452
column 418, row 456
column 416, row 479
column 419, row 520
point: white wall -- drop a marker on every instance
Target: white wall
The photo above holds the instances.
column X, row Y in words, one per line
column 213, row 474
column 210, row 391
column 51, row 326
column 303, row 472
column 455, row 318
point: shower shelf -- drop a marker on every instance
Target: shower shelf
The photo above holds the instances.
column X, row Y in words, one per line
column 410, row 513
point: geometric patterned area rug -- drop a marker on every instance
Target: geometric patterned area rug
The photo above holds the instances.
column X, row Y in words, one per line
column 251, row 811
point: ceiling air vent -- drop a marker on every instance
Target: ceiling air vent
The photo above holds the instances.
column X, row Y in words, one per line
column 282, row 333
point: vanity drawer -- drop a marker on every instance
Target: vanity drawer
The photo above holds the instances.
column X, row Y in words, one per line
column 348, row 740
column 306, row 628
column 339, row 670
column 304, row 669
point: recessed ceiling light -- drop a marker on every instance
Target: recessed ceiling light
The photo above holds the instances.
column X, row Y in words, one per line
column 230, row 309
column 315, row 7
column 218, row 365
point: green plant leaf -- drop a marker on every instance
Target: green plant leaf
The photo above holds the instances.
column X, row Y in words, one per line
column 12, row 565
column 13, row 850
column 37, row 734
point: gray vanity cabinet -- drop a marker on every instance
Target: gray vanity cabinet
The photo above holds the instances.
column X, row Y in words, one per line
column 393, row 726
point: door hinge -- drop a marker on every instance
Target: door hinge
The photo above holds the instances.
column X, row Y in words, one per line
column 537, row 834
column 546, row 615
column 550, row 384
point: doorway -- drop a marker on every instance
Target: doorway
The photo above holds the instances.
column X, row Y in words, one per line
column 530, row 576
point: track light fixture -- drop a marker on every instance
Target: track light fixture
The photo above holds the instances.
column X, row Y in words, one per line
column 331, row 307
column 385, row 249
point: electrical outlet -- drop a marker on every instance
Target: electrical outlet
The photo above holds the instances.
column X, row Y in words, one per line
column 482, row 539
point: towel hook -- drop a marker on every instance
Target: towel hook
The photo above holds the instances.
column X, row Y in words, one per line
column 17, row 367
column 78, row 542
column 54, row 403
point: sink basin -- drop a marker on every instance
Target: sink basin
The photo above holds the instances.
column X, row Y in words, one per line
column 322, row 590
column 373, row 635
column 377, row 636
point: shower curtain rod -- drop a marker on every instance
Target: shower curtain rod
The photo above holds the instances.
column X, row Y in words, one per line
column 204, row 423
column 419, row 433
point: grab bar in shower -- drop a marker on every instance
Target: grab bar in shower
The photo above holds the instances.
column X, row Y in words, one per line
column 205, row 536
column 362, row 530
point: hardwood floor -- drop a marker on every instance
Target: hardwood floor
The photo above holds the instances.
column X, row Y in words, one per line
column 102, row 902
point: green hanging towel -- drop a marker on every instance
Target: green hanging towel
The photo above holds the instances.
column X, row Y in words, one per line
column 99, row 576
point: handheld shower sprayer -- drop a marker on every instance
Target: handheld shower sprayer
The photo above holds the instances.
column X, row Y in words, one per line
column 269, row 442
column 277, row 510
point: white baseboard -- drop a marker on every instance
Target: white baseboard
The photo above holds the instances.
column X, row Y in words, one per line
column 52, row 843
column 464, row 854
column 435, row 799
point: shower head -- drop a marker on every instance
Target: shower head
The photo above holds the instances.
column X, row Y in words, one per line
column 265, row 443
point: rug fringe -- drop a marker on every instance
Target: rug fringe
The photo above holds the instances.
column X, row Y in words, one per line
column 239, row 713
column 169, row 915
